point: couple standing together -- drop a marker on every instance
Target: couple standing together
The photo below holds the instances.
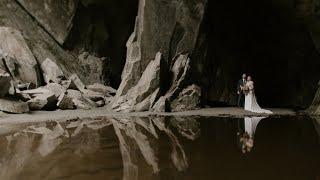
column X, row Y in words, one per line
column 246, row 96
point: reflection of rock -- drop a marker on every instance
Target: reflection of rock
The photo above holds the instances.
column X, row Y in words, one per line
column 142, row 141
column 50, row 138
column 178, row 155
column 188, row 127
column 130, row 169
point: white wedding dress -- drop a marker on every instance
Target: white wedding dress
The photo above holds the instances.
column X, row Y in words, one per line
column 250, row 103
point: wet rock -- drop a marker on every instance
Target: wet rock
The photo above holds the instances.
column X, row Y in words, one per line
column 56, row 89
column 188, row 99
column 5, row 83
column 76, row 83
column 51, row 71
column 45, row 101
column 18, row 57
column 13, row 106
column 106, row 90
column 65, row 102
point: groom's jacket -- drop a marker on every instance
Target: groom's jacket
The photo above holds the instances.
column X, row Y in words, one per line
column 240, row 83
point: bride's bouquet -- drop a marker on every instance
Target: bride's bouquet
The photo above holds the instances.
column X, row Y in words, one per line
column 245, row 89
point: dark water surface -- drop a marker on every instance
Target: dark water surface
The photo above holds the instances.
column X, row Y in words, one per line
column 163, row 148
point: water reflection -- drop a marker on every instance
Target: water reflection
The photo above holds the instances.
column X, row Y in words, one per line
column 246, row 131
column 157, row 148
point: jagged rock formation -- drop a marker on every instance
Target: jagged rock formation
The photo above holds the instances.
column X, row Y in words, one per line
column 179, row 24
column 315, row 106
column 43, row 33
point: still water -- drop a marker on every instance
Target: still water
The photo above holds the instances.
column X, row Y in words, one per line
column 163, row 148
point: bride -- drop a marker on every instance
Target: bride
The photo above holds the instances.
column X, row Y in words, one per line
column 250, row 103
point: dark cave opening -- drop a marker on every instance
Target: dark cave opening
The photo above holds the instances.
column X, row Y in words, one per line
column 103, row 28
column 267, row 40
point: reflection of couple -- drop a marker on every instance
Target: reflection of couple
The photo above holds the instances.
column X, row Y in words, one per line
column 246, row 131
column 246, row 96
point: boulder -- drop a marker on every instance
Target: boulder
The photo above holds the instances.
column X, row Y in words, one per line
column 46, row 101
column 5, row 83
column 79, row 100
column 36, row 92
column 51, row 71
column 93, row 68
column 84, row 103
column 106, row 90
column 75, row 83
column 41, row 42
column 56, row 89
column 18, row 57
column 55, row 16
column 26, row 86
column 100, row 103
column 13, row 106
column 65, row 102
column 94, row 96
column 75, row 94
column 188, row 99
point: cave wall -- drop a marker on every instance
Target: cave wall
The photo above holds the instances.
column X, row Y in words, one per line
column 274, row 41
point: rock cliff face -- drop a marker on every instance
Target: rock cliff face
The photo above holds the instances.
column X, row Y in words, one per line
column 170, row 28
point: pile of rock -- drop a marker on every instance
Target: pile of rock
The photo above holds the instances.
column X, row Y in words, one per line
column 58, row 93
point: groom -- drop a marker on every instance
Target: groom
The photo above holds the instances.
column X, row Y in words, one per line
column 240, row 92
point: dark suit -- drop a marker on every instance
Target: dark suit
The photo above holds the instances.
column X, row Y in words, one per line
column 241, row 96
